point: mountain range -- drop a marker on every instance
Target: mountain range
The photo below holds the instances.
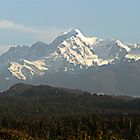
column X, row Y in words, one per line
column 72, row 60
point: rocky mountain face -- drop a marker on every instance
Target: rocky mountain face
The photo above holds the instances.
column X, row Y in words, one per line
column 75, row 61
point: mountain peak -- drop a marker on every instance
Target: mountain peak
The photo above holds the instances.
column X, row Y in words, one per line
column 76, row 31
column 39, row 43
column 73, row 32
column 18, row 88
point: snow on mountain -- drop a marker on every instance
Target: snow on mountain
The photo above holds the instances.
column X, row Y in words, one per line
column 26, row 69
column 70, row 51
column 74, row 33
column 110, row 49
column 132, row 56
column 76, row 49
column 134, row 53
column 88, row 41
column 121, row 45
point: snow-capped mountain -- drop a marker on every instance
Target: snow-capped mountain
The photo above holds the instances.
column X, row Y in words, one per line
column 70, row 52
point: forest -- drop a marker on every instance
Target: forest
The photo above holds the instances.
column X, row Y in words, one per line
column 50, row 113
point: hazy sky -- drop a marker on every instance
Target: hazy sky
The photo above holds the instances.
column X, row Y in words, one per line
column 27, row 21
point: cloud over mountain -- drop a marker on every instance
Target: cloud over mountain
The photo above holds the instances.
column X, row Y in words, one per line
column 18, row 32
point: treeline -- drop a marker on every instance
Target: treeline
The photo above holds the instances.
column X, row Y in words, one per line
column 48, row 113
column 80, row 127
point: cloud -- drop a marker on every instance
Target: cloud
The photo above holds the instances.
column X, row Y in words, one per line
column 23, row 34
column 6, row 24
column 44, row 32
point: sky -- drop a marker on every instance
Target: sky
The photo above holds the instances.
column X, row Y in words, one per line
column 23, row 22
